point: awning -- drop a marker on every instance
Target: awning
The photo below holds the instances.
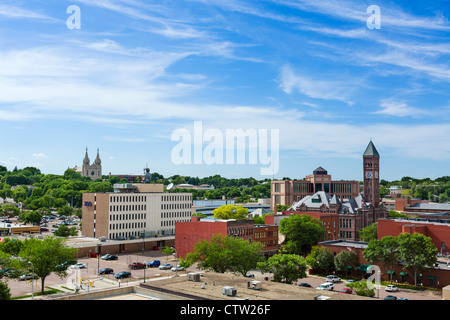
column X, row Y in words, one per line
column 403, row 273
column 363, row 267
column 390, row 272
column 432, row 277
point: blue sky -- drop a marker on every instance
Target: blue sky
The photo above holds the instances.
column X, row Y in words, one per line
column 136, row 71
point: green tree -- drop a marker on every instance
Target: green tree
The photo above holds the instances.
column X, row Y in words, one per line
column 224, row 253
column 301, row 232
column 11, row 246
column 344, row 259
column 368, row 233
column 5, row 293
column 320, row 258
column 65, row 231
column 384, row 251
column 361, row 289
column 417, row 252
column 230, row 211
column 168, row 251
column 65, row 210
column 244, row 254
column 286, row 268
column 31, row 217
column 42, row 257
column 9, row 210
column 212, row 255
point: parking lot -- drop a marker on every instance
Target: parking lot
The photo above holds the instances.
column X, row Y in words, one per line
column 21, row 288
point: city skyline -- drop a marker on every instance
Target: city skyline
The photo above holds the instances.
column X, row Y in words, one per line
column 132, row 73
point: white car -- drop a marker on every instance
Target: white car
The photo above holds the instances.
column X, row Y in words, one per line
column 78, row 266
column 326, row 286
column 333, row 278
column 177, row 268
column 391, row 288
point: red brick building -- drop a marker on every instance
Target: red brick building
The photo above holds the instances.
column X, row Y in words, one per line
column 187, row 234
column 437, row 230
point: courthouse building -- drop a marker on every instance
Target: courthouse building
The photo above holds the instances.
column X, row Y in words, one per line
column 286, row 192
column 132, row 210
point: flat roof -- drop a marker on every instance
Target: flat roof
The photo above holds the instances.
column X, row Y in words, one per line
column 345, row 243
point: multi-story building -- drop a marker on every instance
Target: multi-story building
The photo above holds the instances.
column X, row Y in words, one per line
column 187, row 234
column 133, row 210
column 286, row 192
column 351, row 213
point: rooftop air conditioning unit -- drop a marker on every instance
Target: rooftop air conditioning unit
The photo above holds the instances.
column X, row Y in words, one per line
column 193, row 277
column 229, row 291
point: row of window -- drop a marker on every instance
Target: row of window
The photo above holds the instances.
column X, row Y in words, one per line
column 175, row 214
column 169, row 223
column 240, row 232
column 268, row 234
column 171, row 206
column 134, row 198
column 128, row 216
column 127, row 225
column 173, row 197
column 128, row 207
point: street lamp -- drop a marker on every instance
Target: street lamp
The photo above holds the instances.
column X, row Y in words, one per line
column 145, row 267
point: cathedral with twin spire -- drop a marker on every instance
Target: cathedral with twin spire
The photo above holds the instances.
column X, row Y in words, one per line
column 94, row 170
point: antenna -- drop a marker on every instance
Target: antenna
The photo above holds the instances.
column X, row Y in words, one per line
column 170, row 186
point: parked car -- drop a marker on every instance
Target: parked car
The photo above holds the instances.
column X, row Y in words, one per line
column 177, row 268
column 137, row 265
column 402, row 298
column 346, row 290
column 333, row 278
column 165, row 266
column 78, row 266
column 391, row 288
column 109, row 257
column 65, row 265
column 106, row 271
column 250, row 275
column 154, row 264
column 123, row 275
column 326, row 286
column 44, row 229
column 304, row 284
column 390, row 298
column 28, row 276
column 350, row 281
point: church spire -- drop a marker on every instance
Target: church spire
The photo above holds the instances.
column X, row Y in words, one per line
column 97, row 159
column 86, row 160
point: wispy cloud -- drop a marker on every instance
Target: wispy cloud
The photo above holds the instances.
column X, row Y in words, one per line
column 314, row 88
column 14, row 12
column 399, row 109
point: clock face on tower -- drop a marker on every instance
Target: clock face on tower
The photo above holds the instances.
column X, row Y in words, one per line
column 369, row 174
column 92, row 173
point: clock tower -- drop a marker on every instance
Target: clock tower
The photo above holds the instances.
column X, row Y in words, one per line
column 371, row 162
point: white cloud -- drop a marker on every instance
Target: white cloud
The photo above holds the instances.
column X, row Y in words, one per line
column 399, row 109
column 314, row 88
column 39, row 155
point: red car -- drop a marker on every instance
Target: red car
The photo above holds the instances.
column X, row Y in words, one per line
column 346, row 290
column 137, row 265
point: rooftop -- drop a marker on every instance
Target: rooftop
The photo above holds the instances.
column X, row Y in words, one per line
column 371, row 151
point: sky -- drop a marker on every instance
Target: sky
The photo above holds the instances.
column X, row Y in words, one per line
column 313, row 81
